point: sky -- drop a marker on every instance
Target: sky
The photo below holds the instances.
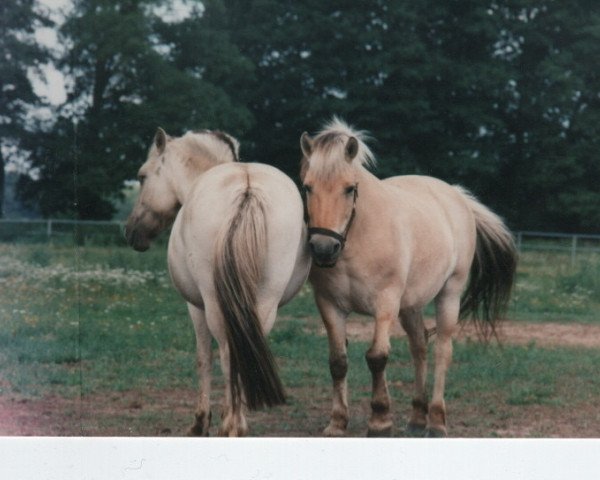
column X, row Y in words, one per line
column 49, row 83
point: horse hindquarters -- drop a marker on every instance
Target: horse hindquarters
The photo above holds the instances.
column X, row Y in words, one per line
column 239, row 263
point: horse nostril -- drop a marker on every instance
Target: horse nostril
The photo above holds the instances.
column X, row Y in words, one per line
column 324, row 248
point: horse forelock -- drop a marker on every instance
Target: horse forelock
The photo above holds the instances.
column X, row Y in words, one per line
column 328, row 154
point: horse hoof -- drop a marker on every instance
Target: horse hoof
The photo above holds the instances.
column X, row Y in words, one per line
column 197, row 431
column 333, row 431
column 200, row 426
column 380, row 432
column 415, row 430
column 436, row 432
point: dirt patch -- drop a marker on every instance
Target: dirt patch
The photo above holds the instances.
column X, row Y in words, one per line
column 516, row 333
column 169, row 413
column 42, row 417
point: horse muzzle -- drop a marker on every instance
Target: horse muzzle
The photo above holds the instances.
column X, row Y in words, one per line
column 325, row 249
column 138, row 234
column 136, row 239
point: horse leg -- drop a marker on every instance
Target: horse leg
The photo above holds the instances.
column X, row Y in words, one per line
column 335, row 324
column 412, row 322
column 447, row 310
column 380, row 423
column 204, row 364
column 233, row 420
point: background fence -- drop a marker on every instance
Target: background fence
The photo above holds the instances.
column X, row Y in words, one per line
column 62, row 231
column 111, row 233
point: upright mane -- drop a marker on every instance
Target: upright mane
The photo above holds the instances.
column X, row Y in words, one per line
column 232, row 143
column 197, row 147
column 328, row 147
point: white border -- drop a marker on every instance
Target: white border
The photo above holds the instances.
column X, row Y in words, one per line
column 74, row 458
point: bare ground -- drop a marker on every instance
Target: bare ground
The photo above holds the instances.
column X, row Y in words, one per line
column 135, row 413
column 515, row 333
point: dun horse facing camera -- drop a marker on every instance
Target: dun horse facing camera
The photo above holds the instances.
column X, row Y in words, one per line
column 386, row 248
column 237, row 251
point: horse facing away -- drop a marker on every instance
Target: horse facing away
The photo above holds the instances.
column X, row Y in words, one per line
column 237, row 251
column 386, row 248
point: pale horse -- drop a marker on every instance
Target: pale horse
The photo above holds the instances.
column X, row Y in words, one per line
column 237, row 251
column 386, row 248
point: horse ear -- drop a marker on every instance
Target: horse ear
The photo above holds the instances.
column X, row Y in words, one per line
column 303, row 168
column 306, row 144
column 351, row 149
column 160, row 140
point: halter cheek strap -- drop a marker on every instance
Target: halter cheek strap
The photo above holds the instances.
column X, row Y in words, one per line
column 341, row 237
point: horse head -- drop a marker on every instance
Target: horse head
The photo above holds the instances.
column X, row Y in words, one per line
column 329, row 172
column 157, row 202
column 172, row 166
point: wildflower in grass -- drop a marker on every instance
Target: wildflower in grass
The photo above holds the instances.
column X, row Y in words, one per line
column 94, row 274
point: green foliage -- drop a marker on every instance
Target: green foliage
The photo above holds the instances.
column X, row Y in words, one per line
column 128, row 78
column 500, row 97
column 19, row 53
column 550, row 115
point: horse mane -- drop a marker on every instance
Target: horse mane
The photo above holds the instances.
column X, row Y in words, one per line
column 217, row 146
column 329, row 144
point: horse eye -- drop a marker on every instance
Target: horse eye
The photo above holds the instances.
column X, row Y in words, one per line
column 307, row 188
column 350, row 190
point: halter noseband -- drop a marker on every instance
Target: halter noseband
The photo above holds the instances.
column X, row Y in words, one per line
column 340, row 237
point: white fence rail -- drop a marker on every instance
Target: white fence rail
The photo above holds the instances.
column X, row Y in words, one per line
column 573, row 244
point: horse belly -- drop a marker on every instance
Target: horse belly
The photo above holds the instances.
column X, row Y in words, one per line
column 425, row 281
column 179, row 267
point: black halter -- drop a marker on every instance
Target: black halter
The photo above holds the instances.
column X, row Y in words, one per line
column 341, row 237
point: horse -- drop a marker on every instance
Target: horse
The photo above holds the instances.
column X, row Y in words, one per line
column 386, row 248
column 237, row 251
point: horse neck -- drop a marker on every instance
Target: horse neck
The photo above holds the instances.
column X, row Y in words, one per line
column 369, row 190
column 192, row 165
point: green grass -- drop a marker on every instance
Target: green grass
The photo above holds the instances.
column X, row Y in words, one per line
column 96, row 320
column 549, row 287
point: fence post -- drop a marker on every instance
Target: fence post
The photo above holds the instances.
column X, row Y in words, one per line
column 573, row 250
column 49, row 229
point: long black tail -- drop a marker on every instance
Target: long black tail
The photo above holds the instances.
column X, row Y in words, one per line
column 239, row 268
column 492, row 273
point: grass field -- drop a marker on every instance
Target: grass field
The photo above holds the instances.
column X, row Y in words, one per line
column 98, row 341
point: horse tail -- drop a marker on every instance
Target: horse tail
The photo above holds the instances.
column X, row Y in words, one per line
column 492, row 274
column 239, row 268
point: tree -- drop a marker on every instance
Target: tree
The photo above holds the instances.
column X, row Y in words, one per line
column 499, row 96
column 128, row 75
column 313, row 59
column 551, row 116
column 18, row 52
